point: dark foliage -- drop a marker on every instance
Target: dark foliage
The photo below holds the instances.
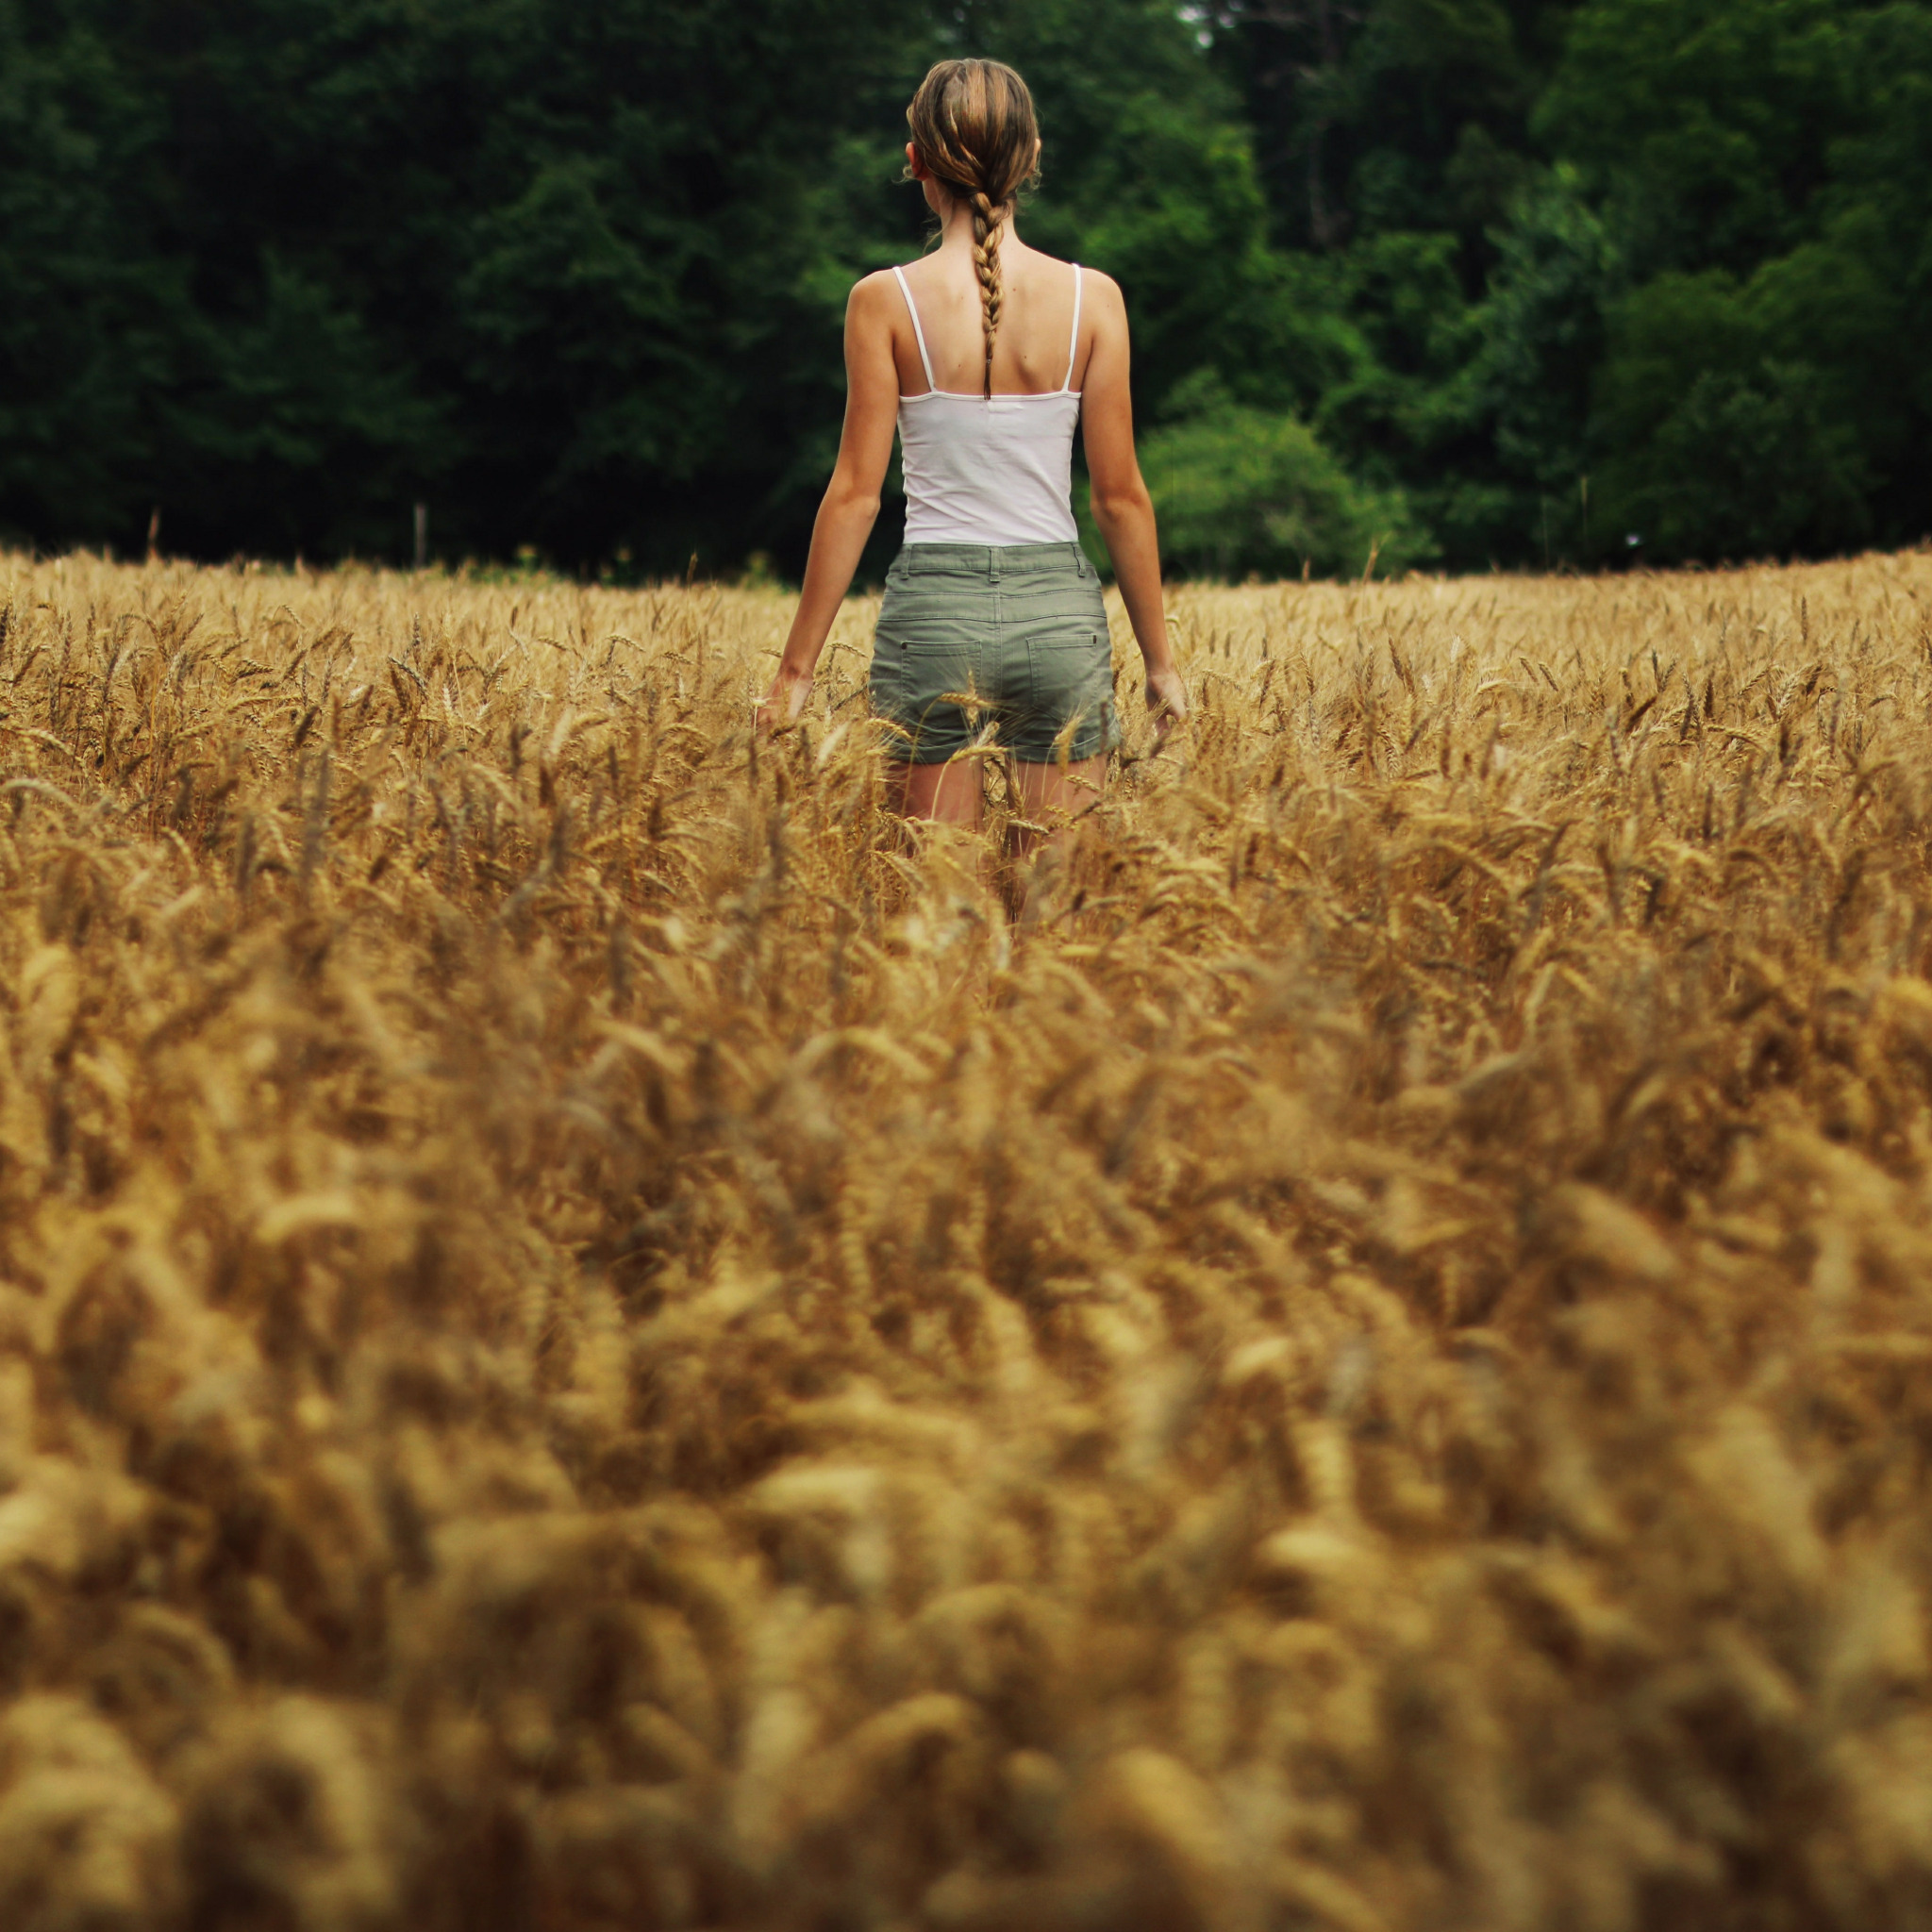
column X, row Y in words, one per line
column 1520, row 280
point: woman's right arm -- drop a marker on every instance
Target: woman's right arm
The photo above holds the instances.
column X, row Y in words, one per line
column 1122, row 506
column 851, row 504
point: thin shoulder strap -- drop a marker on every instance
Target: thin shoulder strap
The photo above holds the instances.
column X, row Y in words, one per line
column 912, row 309
column 1073, row 347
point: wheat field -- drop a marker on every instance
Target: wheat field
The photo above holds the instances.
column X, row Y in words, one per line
column 590, row 1338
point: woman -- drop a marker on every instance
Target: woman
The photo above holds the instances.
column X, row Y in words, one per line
column 983, row 355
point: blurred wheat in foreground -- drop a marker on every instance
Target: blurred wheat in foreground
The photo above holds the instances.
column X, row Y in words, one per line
column 587, row 1340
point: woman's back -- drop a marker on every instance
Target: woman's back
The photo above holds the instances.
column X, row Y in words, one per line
column 1030, row 354
column 995, row 468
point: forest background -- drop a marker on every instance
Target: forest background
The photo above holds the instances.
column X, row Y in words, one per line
column 1450, row 282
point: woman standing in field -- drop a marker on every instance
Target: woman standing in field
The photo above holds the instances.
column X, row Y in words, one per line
column 984, row 354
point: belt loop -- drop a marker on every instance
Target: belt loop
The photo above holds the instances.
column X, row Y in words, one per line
column 992, row 560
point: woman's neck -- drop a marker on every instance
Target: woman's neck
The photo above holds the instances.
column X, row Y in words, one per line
column 956, row 231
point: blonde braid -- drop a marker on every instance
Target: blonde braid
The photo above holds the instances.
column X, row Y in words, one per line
column 987, row 223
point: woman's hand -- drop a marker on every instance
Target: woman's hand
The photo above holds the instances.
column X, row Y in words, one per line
column 1167, row 702
column 783, row 705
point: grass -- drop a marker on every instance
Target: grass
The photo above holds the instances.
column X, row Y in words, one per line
column 589, row 1340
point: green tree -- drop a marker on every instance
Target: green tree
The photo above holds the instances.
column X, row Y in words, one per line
column 89, row 340
column 1752, row 419
column 1763, row 169
column 1705, row 126
column 1521, row 487
column 1379, row 116
column 1394, row 140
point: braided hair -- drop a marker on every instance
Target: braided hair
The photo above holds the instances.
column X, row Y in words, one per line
column 973, row 126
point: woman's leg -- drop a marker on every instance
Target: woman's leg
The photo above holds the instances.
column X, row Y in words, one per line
column 950, row 794
column 1054, row 796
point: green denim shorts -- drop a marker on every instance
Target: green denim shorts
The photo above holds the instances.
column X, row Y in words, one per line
column 1013, row 635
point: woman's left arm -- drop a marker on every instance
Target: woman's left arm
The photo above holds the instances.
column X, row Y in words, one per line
column 851, row 505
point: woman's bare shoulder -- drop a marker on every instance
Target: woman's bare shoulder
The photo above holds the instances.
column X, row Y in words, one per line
column 872, row 291
column 1054, row 263
column 1101, row 286
column 1105, row 305
column 875, row 305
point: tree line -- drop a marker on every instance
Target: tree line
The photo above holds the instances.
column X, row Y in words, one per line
column 1457, row 283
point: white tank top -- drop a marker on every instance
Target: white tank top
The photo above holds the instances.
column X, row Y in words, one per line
column 989, row 468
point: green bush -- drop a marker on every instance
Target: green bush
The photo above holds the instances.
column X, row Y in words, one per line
column 1241, row 491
